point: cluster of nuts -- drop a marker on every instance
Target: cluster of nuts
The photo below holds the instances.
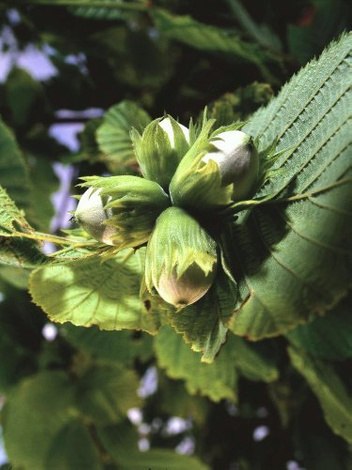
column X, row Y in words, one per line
column 183, row 175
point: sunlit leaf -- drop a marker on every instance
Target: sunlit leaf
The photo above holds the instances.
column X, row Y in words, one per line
column 91, row 292
column 293, row 259
column 18, row 252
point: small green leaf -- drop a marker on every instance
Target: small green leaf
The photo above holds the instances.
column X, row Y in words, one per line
column 113, row 135
column 91, row 292
column 216, row 381
column 121, row 442
column 24, row 96
column 329, row 389
column 106, row 392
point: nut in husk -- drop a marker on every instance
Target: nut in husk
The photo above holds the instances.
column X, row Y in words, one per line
column 181, row 258
column 121, row 210
column 160, row 148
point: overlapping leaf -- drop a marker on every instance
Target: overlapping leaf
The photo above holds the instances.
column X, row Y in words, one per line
column 119, row 346
column 73, row 448
column 44, row 403
column 249, row 362
column 328, row 337
column 204, row 324
column 329, row 389
column 17, row 252
column 217, row 380
column 91, row 292
column 106, row 392
column 113, row 135
column 293, row 259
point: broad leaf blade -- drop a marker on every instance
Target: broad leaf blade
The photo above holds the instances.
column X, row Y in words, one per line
column 329, row 389
column 117, row 346
column 35, row 412
column 106, row 392
column 217, row 380
column 295, row 258
column 74, row 448
column 249, row 362
column 91, row 292
column 328, row 337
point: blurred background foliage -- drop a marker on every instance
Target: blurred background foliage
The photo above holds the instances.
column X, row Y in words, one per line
column 68, row 390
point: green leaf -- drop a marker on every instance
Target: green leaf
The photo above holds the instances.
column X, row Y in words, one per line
column 217, row 380
column 73, row 448
column 91, row 292
column 293, row 259
column 24, row 96
column 106, row 392
column 204, row 324
column 13, row 171
column 211, row 39
column 34, row 413
column 15, row 276
column 17, row 252
column 106, row 9
column 119, row 346
column 250, row 363
column 10, row 216
column 174, row 400
column 329, row 389
column 328, row 337
column 113, row 135
column 121, row 442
